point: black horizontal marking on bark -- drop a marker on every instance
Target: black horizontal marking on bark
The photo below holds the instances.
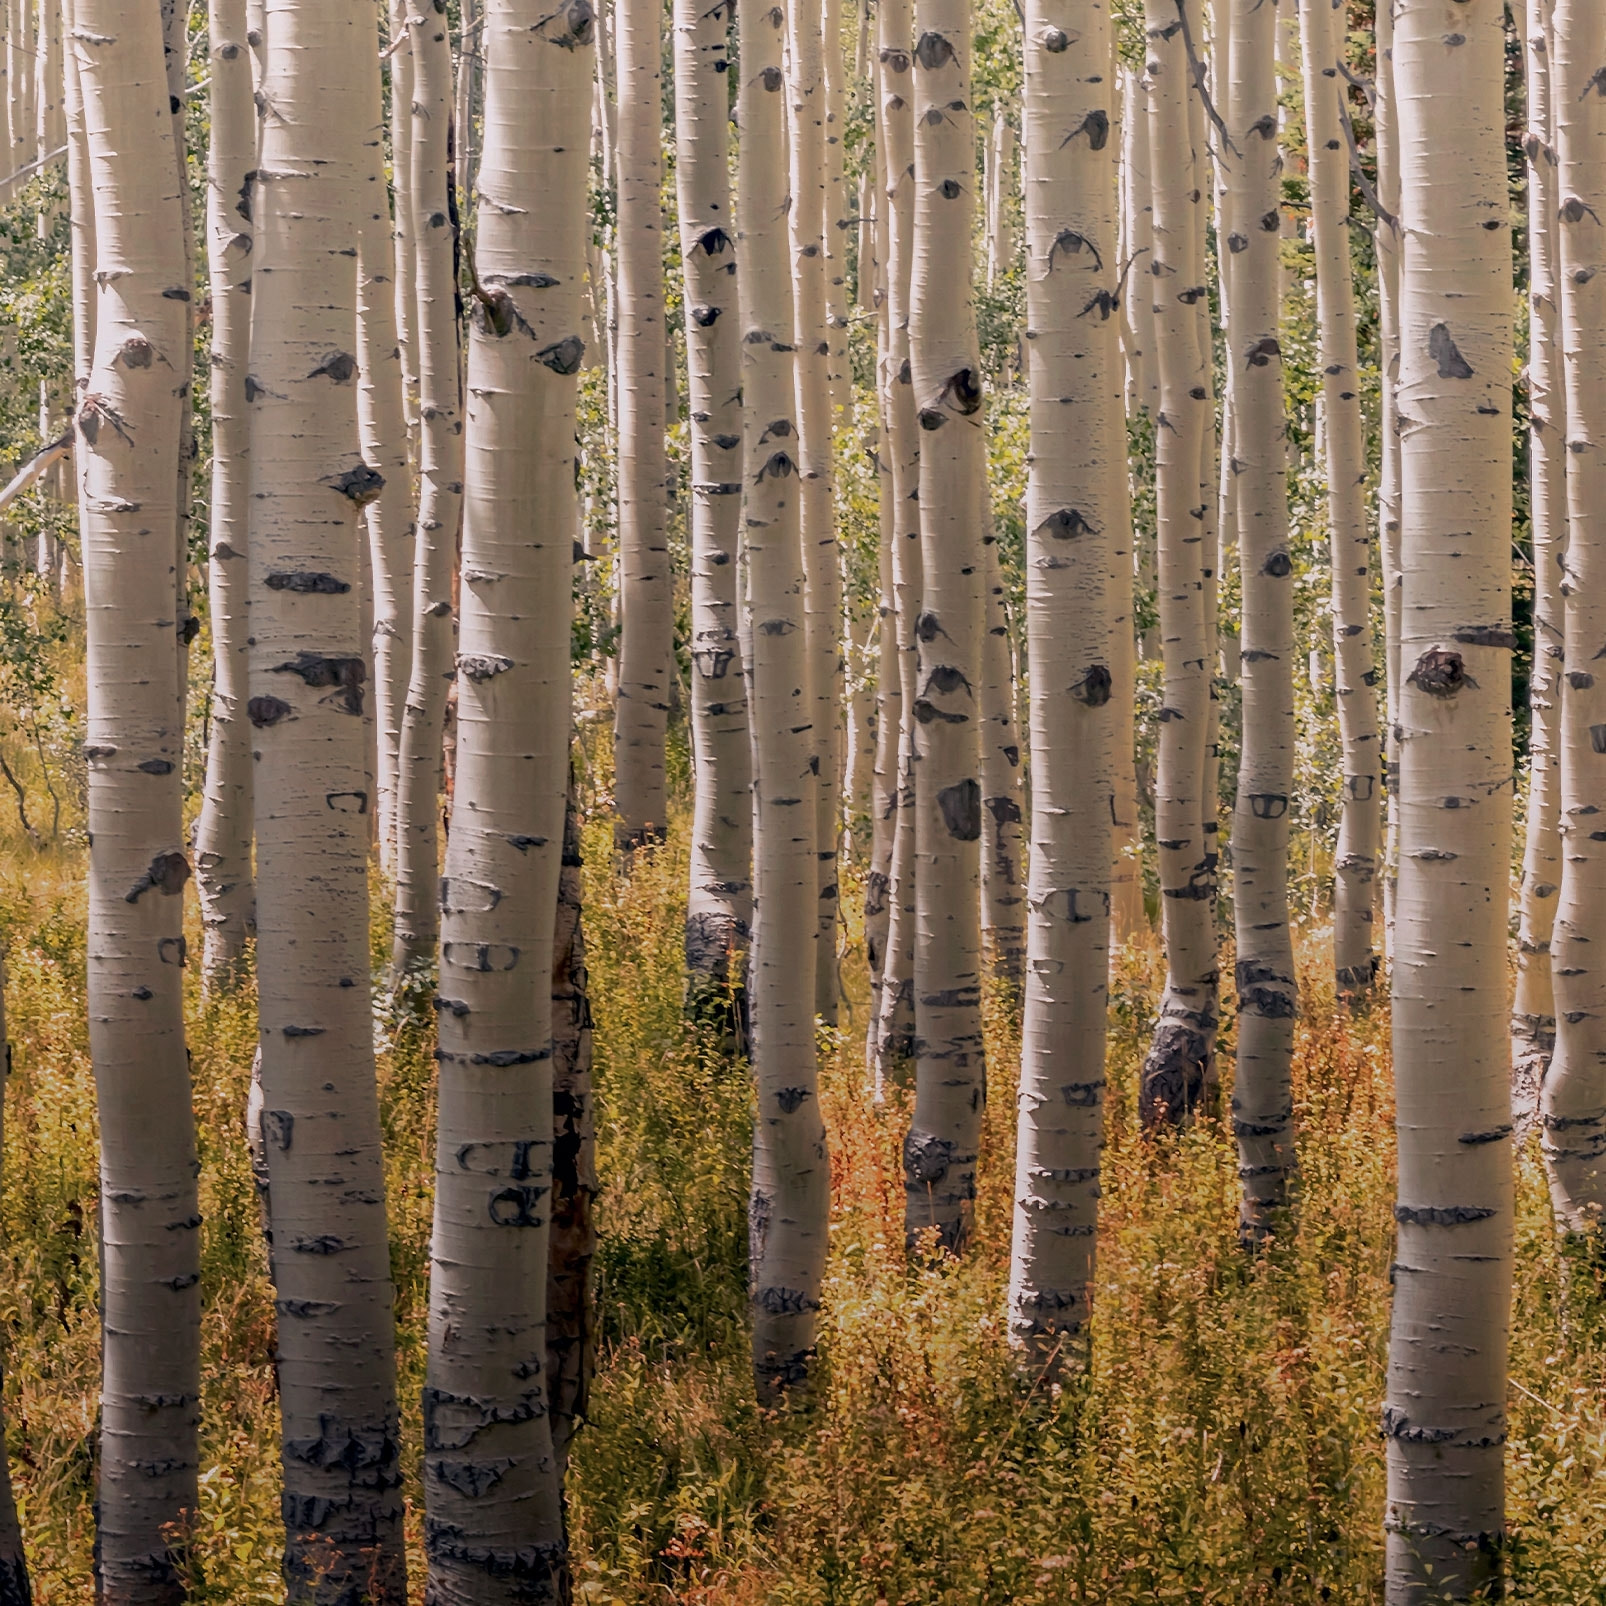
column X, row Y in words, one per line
column 326, row 1243
column 156, row 766
column 1440, row 1215
column 307, row 581
column 1486, row 636
column 500, row 1058
column 1493, row 1135
column 306, row 1309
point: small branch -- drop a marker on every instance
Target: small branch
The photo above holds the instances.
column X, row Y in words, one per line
column 1198, row 69
column 22, row 800
column 1366, row 86
column 1382, row 212
column 42, row 460
column 33, row 167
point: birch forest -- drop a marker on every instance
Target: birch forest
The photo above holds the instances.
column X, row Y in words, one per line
column 798, row 802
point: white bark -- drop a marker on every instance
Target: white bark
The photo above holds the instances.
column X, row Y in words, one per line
column 1003, row 838
column 719, row 905
column 1444, row 1417
column 129, row 438
column 320, row 1124
column 430, row 205
column 81, row 220
column 790, row 1203
column 1001, row 197
column 1076, row 504
column 494, row 1525
column 403, row 231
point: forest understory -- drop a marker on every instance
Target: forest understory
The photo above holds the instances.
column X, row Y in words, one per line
column 1222, row 1447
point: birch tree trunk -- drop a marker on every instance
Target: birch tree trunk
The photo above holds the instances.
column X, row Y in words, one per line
column 81, row 222
column 1360, row 823
column 646, row 621
column 1444, row 1417
column 1262, row 1101
column 939, row 1154
column 432, row 205
column 129, row 433
column 1003, row 841
column 331, row 1260
column 494, row 1526
column 1178, row 1062
column 1573, row 1096
column 821, row 557
column 720, row 902
column 15, row 1587
column 1076, row 500
column 223, row 833
column 790, row 1204
column 1533, row 1013
column 838, row 219
column 403, row 229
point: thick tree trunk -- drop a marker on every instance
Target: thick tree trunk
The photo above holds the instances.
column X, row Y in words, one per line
column 646, row 619
column 939, row 1155
column 1444, row 1416
column 1076, row 501
column 791, row 1197
column 331, row 1261
column 431, row 204
column 129, row 440
column 494, row 1528
column 1178, row 1063
column 223, row 832
column 1262, row 1101
column 720, row 902
column 1573, row 1097
column 1533, row 1013
column 1360, row 823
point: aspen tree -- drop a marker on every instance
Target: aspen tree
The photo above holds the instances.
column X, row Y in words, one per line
column 81, row 221
column 320, row 1119
column 1076, row 501
column 837, row 219
column 129, row 430
column 1533, row 1013
column 1003, row 839
column 1262, row 1101
column 223, row 832
column 895, row 127
column 1573, row 1095
column 789, row 1209
column 432, row 206
column 646, row 620
column 402, row 228
column 494, row 1528
column 15, row 1587
column 1000, row 222
column 1444, row 1416
column 939, row 1154
column 1179, row 1059
column 719, row 905
column 1350, row 538
column 821, row 557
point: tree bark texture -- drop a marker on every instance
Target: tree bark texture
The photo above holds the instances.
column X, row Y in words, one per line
column 1003, row 832
column 320, row 1122
column 129, row 438
column 1444, row 1416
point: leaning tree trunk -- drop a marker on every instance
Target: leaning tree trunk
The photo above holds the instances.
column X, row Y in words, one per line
column 432, row 209
column 1076, row 501
column 821, row 556
column 1360, row 820
column 1262, row 1100
column 1573, row 1097
column 15, row 1587
column 223, row 832
column 342, row 1500
column 1444, row 1416
column 1533, row 1012
column 494, row 1523
column 129, row 440
column 939, row 1156
column 646, row 616
column 1174, row 1073
column 720, row 900
column 791, row 1196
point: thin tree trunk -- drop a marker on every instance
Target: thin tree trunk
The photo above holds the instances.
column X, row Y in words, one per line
column 1003, row 841
column 130, row 427
column 790, row 1204
column 1076, row 501
column 1573, row 1097
column 939, row 1154
column 81, row 221
column 720, row 903
column 1533, row 1013
column 1000, row 229
column 403, row 226
column 331, row 1261
column 223, row 833
column 1262, row 1102
column 1360, row 825
column 821, row 557
column 1444, row 1415
column 15, row 1587
column 494, row 1527
column 837, row 219
column 432, row 205
column 1175, row 1071
column 646, row 621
